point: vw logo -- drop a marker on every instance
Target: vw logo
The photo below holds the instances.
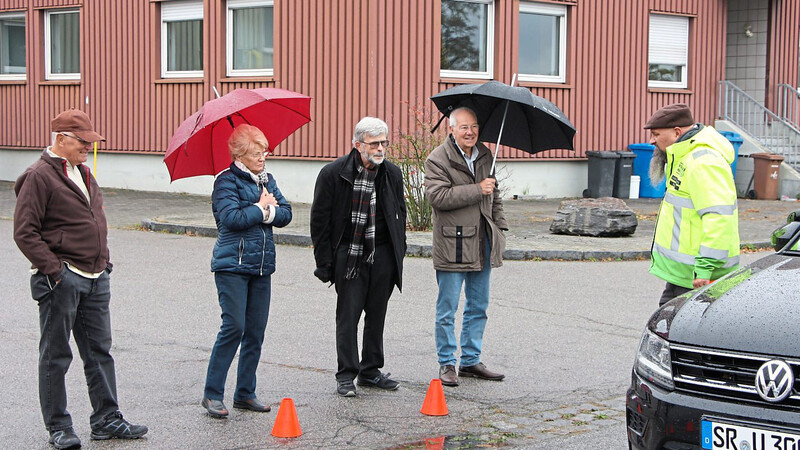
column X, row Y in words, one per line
column 774, row 380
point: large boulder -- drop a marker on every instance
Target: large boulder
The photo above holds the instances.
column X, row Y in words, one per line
column 605, row 216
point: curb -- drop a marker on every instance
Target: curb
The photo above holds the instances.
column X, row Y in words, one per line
column 425, row 250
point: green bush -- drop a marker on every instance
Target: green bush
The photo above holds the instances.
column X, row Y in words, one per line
column 409, row 150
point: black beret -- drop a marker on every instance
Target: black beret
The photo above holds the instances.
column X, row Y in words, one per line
column 670, row 116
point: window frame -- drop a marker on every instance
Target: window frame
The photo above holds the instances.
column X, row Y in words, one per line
column 48, row 57
column 230, row 6
column 17, row 76
column 660, row 84
column 490, row 31
column 548, row 9
column 186, row 7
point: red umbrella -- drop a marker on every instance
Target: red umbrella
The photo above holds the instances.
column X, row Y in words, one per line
column 200, row 144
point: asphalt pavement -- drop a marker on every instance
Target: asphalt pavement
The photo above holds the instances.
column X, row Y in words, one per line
column 528, row 238
column 564, row 333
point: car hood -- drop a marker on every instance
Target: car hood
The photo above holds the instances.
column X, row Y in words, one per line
column 754, row 309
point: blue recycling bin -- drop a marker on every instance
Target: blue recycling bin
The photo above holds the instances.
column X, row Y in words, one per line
column 641, row 167
column 735, row 140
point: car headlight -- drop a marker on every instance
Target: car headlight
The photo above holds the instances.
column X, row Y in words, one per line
column 653, row 361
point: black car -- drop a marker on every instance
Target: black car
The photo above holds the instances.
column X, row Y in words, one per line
column 719, row 367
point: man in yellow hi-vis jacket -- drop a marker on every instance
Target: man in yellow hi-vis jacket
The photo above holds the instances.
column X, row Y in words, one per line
column 696, row 238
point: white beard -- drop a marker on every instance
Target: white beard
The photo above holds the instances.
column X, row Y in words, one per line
column 658, row 164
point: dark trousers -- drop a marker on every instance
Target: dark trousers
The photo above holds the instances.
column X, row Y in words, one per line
column 79, row 306
column 671, row 291
column 244, row 300
column 369, row 293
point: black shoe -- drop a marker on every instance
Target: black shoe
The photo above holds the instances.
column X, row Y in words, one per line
column 215, row 408
column 252, row 404
column 115, row 427
column 65, row 438
column 382, row 381
column 346, row 388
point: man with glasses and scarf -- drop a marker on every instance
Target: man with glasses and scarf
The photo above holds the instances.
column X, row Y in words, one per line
column 60, row 226
column 358, row 222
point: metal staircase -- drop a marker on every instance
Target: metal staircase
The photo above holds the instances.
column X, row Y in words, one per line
column 779, row 134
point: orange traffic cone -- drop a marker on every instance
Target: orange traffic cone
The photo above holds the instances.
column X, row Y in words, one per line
column 434, row 404
column 436, row 443
column 286, row 423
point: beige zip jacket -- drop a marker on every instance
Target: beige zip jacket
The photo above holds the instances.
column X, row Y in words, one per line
column 462, row 215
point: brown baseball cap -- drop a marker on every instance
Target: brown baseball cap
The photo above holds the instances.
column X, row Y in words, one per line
column 671, row 116
column 76, row 122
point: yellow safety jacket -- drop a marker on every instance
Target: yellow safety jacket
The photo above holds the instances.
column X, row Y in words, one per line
column 697, row 230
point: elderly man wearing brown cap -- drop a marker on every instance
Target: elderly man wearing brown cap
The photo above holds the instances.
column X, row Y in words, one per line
column 696, row 239
column 60, row 226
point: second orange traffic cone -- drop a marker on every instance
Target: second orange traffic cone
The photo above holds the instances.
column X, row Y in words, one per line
column 434, row 404
column 286, row 423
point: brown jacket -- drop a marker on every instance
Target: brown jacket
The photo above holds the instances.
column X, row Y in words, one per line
column 54, row 223
column 462, row 215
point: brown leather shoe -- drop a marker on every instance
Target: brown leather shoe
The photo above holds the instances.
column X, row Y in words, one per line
column 448, row 375
column 480, row 371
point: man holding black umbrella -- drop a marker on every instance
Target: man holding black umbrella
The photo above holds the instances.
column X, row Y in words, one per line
column 467, row 242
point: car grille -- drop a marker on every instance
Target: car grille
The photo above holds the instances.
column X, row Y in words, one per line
column 729, row 375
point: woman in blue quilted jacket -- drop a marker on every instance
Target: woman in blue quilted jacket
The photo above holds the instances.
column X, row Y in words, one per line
column 247, row 203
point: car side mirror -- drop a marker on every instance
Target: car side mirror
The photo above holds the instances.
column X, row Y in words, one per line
column 784, row 234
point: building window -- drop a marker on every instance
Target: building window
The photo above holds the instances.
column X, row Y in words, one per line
column 249, row 41
column 668, row 51
column 542, row 42
column 62, row 47
column 12, row 47
column 467, row 38
column 182, row 39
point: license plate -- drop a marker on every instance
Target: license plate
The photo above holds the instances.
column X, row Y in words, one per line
column 721, row 435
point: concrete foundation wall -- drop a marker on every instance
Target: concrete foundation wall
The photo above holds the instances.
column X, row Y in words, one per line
column 296, row 178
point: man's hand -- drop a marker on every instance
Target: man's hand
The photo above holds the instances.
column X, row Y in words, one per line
column 323, row 273
column 487, row 185
column 700, row 282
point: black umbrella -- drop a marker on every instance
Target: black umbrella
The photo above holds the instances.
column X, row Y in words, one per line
column 511, row 116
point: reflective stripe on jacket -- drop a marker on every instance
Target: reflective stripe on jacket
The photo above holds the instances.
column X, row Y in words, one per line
column 697, row 230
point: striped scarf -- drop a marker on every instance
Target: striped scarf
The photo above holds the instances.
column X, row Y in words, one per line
column 363, row 218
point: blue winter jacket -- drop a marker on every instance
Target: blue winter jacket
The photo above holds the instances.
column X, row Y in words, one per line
column 244, row 243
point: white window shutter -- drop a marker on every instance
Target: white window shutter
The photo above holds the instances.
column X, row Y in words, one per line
column 669, row 39
column 181, row 10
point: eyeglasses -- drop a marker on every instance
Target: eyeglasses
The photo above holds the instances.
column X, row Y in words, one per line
column 81, row 141
column 473, row 127
column 375, row 145
column 257, row 155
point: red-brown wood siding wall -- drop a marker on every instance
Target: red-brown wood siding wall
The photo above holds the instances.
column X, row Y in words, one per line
column 369, row 57
column 782, row 52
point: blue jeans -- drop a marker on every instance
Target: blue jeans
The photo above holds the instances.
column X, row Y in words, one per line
column 244, row 300
column 476, row 289
column 77, row 306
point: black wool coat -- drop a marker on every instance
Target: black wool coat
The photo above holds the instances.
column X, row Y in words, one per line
column 331, row 225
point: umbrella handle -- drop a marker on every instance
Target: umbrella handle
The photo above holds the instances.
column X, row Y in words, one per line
column 438, row 123
column 499, row 135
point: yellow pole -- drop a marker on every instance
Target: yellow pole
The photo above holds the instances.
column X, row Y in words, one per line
column 95, row 160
